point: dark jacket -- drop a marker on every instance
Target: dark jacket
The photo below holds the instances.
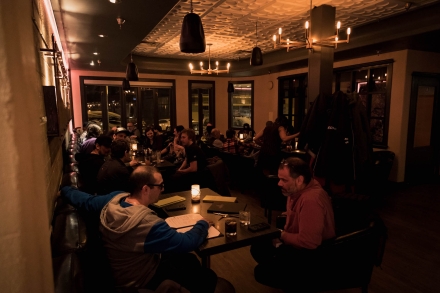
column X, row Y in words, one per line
column 89, row 166
column 112, row 176
column 337, row 131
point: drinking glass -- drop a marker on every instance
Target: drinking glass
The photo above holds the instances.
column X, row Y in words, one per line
column 231, row 226
column 245, row 218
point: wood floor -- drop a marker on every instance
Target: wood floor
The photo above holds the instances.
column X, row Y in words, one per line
column 411, row 261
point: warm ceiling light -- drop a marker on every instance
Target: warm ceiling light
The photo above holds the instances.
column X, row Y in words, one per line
column 115, row 1
column 209, row 70
column 95, row 53
column 92, row 63
column 331, row 41
column 192, row 35
column 102, row 36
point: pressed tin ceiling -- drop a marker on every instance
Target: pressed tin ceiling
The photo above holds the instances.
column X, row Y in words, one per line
column 230, row 24
column 151, row 31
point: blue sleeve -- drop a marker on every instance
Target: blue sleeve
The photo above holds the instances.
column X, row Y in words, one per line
column 85, row 201
column 162, row 238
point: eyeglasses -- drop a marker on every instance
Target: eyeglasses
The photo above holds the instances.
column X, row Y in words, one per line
column 160, row 185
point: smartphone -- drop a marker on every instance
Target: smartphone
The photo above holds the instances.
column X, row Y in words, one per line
column 176, row 207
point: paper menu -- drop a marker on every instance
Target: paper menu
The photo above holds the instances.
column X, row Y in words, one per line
column 183, row 220
column 212, row 231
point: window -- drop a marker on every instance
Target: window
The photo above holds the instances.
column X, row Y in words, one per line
column 373, row 84
column 292, row 96
column 241, row 104
column 201, row 105
column 149, row 102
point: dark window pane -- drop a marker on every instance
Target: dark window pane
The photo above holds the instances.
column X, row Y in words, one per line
column 376, row 126
column 378, row 105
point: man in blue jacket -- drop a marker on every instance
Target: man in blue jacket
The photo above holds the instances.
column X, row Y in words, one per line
column 142, row 249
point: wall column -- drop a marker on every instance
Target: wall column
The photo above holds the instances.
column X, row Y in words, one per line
column 320, row 76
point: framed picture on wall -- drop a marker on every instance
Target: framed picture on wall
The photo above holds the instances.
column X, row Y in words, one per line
column 50, row 103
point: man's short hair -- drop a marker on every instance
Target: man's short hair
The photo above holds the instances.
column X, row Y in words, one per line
column 104, row 140
column 119, row 147
column 190, row 133
column 297, row 167
column 179, row 128
column 143, row 175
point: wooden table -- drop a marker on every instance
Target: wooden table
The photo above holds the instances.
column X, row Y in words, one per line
column 220, row 244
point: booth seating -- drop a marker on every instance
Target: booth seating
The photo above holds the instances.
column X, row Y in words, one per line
column 343, row 262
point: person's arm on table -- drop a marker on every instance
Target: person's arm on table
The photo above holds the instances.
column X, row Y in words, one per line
column 85, row 201
column 311, row 226
column 192, row 168
column 162, row 238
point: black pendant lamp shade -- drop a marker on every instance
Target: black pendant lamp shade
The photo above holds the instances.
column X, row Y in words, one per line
column 230, row 88
column 125, row 85
column 132, row 73
column 256, row 57
column 192, row 36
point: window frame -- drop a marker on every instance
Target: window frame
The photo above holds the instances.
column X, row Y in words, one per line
column 370, row 82
column 230, row 104
column 135, row 84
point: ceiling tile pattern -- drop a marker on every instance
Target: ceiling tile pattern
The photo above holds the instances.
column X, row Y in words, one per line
column 230, row 24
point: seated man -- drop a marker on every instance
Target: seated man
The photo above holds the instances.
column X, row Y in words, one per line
column 114, row 174
column 192, row 168
column 120, row 133
column 231, row 144
column 90, row 164
column 134, row 132
column 142, row 249
column 309, row 221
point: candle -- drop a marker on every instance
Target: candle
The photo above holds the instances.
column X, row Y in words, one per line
column 195, row 193
column 134, row 147
column 241, row 135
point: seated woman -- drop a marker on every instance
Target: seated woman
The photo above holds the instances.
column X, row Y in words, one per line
column 272, row 137
column 230, row 145
column 175, row 149
column 151, row 140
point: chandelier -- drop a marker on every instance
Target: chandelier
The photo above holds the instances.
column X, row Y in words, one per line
column 330, row 41
column 209, row 70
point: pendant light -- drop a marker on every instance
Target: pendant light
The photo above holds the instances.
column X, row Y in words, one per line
column 230, row 87
column 257, row 56
column 132, row 73
column 192, row 36
column 125, row 85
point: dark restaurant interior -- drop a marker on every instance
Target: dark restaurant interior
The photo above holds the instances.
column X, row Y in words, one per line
column 69, row 64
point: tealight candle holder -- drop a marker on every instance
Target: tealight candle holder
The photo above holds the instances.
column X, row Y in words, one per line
column 195, row 193
column 241, row 136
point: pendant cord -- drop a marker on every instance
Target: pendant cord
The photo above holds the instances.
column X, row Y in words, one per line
column 256, row 33
column 191, row 6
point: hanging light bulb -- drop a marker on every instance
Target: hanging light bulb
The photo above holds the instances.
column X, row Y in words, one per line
column 132, row 73
column 257, row 56
column 192, row 35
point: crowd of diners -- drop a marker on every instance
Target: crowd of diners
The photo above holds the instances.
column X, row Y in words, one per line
column 142, row 249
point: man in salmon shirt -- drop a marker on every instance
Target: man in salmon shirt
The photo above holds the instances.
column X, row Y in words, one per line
column 309, row 221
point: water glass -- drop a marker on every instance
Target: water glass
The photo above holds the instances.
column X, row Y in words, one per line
column 245, row 218
column 158, row 157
